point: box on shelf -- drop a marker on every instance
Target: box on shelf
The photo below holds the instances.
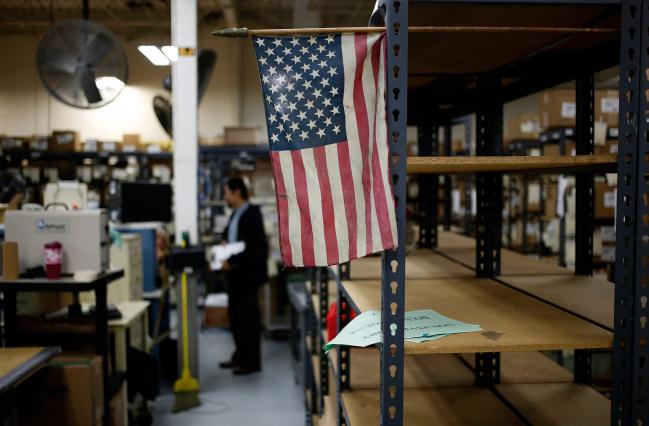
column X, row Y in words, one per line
column 457, row 145
column 13, row 143
column 91, row 145
column 242, row 135
column 110, row 146
column 39, row 143
column 68, row 392
column 557, row 108
column 523, row 127
column 605, row 199
column 550, row 201
column 607, row 107
column 131, row 142
column 65, row 141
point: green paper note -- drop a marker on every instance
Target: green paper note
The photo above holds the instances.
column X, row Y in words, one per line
column 420, row 326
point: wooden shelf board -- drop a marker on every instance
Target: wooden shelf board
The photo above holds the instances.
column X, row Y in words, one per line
column 589, row 297
column 419, row 371
column 449, row 239
column 511, row 263
column 513, row 163
column 527, row 367
column 419, row 264
column 482, row 52
column 511, row 320
column 558, row 404
column 449, row 406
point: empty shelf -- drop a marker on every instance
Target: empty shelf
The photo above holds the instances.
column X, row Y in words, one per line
column 556, row 404
column 419, row 264
column 587, row 297
column 511, row 263
column 511, row 320
column 449, row 406
column 527, row 164
column 419, row 371
column 527, row 367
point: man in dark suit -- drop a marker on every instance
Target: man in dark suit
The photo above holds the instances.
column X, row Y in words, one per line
column 245, row 273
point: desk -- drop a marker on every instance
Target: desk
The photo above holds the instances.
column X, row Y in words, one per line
column 17, row 364
column 10, row 288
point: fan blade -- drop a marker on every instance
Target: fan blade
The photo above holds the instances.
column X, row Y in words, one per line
column 163, row 111
column 55, row 59
column 97, row 49
column 89, row 86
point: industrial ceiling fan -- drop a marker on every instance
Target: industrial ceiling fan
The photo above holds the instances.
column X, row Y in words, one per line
column 81, row 63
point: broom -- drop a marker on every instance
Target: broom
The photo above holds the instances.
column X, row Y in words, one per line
column 186, row 387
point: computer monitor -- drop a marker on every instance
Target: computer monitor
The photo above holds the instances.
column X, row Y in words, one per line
column 145, row 202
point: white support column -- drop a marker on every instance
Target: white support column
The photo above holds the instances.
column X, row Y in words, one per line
column 185, row 118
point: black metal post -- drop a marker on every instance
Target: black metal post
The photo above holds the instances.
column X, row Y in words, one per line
column 487, row 368
column 393, row 282
column 343, row 360
column 584, row 182
column 489, row 186
column 630, row 351
column 101, row 341
column 448, row 190
column 324, row 306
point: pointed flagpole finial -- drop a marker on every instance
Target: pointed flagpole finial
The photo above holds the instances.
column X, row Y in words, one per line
column 232, row 33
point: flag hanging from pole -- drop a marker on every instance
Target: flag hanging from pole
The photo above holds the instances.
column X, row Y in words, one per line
column 325, row 105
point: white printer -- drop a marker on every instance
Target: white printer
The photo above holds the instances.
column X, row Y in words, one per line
column 83, row 233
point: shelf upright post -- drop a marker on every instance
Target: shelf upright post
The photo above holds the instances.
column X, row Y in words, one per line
column 629, row 403
column 343, row 361
column 324, row 305
column 489, row 189
column 585, row 204
column 584, row 182
column 489, row 186
column 393, row 277
column 448, row 191
column 428, row 145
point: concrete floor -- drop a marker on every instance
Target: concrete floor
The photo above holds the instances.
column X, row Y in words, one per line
column 263, row 399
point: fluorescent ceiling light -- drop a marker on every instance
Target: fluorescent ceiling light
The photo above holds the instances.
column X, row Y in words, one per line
column 154, row 55
column 171, row 52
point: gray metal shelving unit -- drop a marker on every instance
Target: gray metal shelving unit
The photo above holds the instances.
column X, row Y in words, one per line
column 556, row 60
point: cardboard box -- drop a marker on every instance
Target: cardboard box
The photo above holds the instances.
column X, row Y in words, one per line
column 557, row 108
column 118, row 409
column 215, row 316
column 65, row 141
column 10, row 143
column 605, row 199
column 131, row 142
column 457, row 145
column 110, row 146
column 607, row 107
column 242, row 135
column 550, row 201
column 70, row 392
column 39, row 143
column 522, row 127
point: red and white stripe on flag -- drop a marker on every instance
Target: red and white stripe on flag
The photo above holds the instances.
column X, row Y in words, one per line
column 335, row 202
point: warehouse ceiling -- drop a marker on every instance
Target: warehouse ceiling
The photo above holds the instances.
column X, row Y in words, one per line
column 134, row 18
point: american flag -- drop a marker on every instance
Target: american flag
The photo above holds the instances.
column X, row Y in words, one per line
column 325, row 107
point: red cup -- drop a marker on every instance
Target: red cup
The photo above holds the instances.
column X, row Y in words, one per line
column 53, row 260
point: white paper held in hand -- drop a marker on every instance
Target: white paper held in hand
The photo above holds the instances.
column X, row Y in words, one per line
column 222, row 252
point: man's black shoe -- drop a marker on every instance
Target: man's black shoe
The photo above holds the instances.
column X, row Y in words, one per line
column 242, row 371
column 228, row 364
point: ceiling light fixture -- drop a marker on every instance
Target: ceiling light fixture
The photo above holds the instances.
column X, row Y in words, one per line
column 154, row 54
column 170, row 52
